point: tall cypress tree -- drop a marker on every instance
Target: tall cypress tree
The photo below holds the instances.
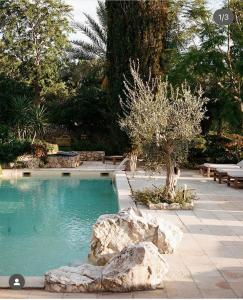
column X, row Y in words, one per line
column 136, row 31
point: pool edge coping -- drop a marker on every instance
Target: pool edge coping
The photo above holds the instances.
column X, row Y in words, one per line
column 124, row 193
column 124, row 197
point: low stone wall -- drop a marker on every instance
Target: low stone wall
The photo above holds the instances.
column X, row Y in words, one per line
column 53, row 161
column 91, row 155
column 62, row 161
column 31, row 162
column 28, row 161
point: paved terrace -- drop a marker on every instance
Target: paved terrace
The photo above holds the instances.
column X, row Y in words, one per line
column 209, row 261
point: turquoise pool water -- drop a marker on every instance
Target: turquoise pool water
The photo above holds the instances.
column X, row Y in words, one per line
column 47, row 223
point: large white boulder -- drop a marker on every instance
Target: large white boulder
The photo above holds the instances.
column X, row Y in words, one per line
column 111, row 233
column 137, row 267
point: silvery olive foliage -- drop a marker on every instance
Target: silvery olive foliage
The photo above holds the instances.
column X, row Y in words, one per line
column 155, row 110
column 161, row 119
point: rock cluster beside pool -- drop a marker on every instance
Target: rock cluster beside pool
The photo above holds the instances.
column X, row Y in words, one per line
column 126, row 252
column 137, row 267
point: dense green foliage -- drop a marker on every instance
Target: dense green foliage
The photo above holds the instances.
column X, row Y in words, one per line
column 136, row 31
column 10, row 89
column 10, row 151
column 213, row 148
column 43, row 82
column 33, row 40
column 18, row 112
column 211, row 56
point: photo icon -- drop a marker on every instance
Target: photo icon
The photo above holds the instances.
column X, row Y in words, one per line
column 16, row 282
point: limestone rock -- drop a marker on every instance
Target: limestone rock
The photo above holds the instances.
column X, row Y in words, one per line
column 158, row 206
column 111, row 233
column 175, row 206
column 84, row 278
column 172, row 206
column 137, row 267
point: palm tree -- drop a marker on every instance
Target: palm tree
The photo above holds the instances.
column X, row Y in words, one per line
column 96, row 33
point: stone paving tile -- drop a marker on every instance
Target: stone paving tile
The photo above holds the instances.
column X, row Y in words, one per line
column 237, row 215
column 156, row 294
column 41, row 294
column 114, row 295
column 210, row 255
column 215, row 287
column 79, row 295
column 182, row 289
column 9, row 294
column 237, row 287
column 209, row 293
column 237, row 250
column 233, row 275
column 222, row 262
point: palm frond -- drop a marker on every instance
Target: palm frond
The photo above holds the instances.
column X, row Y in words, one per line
column 90, row 34
column 102, row 15
column 96, row 28
column 96, row 32
column 85, row 50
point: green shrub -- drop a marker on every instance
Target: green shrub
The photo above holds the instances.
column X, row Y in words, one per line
column 10, row 151
column 196, row 153
column 39, row 150
column 51, row 147
column 212, row 148
column 6, row 134
column 216, row 150
column 157, row 195
column 235, row 146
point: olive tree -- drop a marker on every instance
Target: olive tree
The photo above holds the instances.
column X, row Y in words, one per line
column 161, row 119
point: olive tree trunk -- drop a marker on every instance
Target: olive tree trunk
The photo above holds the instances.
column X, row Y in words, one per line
column 171, row 175
column 133, row 158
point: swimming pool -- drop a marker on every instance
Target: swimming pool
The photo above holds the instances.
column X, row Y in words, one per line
column 46, row 223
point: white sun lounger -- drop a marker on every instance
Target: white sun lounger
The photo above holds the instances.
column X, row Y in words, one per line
column 206, row 168
column 220, row 173
column 236, row 177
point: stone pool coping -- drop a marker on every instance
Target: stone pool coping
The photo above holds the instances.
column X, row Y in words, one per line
column 124, row 197
column 13, row 173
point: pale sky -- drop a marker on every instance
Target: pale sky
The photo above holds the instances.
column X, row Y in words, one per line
column 80, row 7
column 89, row 7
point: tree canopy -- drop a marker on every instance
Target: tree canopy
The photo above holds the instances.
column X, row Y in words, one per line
column 211, row 56
column 34, row 36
